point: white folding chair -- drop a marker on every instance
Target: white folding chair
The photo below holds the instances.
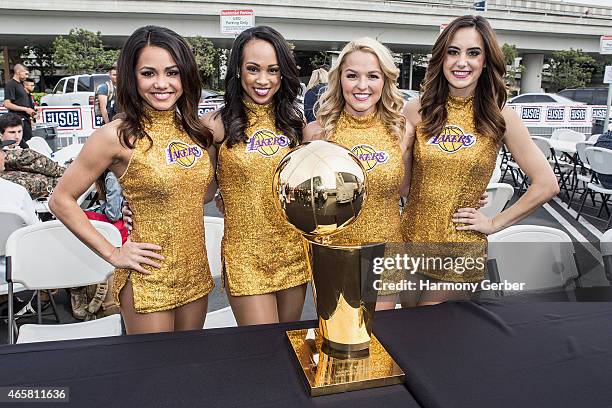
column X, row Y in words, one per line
column 561, row 169
column 11, row 220
column 48, row 255
column 213, row 230
column 605, row 245
column 499, row 195
column 40, row 145
column 600, row 160
column 568, row 135
column 67, row 153
column 583, row 170
column 540, row 257
column 497, row 171
column 594, row 138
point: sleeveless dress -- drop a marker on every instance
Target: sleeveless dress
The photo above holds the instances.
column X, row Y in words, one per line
column 449, row 171
column 261, row 252
column 166, row 183
column 381, row 156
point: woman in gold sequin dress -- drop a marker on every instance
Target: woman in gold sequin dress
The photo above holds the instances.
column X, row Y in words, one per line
column 461, row 120
column 164, row 159
column 361, row 110
column 265, row 267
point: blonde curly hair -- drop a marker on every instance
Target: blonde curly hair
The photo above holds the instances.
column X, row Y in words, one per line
column 388, row 107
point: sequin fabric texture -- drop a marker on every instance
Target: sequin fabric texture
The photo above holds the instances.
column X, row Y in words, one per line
column 165, row 184
column 379, row 152
column 261, row 252
column 449, row 171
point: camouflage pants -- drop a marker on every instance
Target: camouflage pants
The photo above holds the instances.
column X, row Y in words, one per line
column 32, row 170
column 38, row 185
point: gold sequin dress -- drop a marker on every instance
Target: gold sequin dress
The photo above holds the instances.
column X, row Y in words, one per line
column 261, row 252
column 380, row 154
column 449, row 171
column 166, row 183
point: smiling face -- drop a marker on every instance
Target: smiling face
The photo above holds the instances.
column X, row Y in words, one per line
column 362, row 82
column 464, row 61
column 158, row 78
column 260, row 74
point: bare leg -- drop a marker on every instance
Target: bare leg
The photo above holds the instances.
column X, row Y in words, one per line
column 136, row 323
column 290, row 303
column 387, row 302
column 191, row 316
column 410, row 297
column 256, row 309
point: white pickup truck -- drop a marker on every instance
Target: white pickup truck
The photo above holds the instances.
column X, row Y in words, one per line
column 76, row 90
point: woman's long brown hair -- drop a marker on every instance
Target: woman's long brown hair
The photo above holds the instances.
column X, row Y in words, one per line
column 133, row 113
column 490, row 94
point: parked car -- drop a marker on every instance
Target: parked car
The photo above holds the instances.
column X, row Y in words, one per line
column 409, row 94
column 589, row 96
column 76, row 90
column 542, row 97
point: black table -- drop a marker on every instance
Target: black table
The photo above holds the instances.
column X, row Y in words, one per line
column 464, row 354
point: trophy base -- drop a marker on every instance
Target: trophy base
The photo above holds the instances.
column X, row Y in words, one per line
column 328, row 371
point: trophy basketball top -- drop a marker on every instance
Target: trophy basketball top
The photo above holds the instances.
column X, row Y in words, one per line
column 320, row 188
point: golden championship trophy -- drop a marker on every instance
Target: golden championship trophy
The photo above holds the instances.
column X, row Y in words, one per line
column 320, row 188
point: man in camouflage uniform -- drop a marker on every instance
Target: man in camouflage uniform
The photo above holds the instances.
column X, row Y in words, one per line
column 26, row 167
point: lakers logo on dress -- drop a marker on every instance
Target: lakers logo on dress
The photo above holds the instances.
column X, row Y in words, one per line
column 452, row 139
column 369, row 156
column 266, row 142
column 182, row 154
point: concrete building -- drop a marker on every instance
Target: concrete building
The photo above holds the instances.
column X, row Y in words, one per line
column 536, row 27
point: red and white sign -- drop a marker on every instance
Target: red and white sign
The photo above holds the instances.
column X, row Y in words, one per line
column 236, row 21
column 605, row 44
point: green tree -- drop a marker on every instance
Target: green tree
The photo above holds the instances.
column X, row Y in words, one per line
column 569, row 69
column 319, row 60
column 82, row 51
column 208, row 58
column 510, row 55
column 39, row 57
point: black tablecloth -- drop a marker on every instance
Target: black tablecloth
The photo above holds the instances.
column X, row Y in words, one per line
column 234, row 367
column 493, row 354
column 464, row 354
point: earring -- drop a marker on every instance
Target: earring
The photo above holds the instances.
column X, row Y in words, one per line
column 238, row 75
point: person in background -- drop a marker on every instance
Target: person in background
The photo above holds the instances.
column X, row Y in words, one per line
column 605, row 141
column 93, row 301
column 26, row 167
column 29, row 86
column 104, row 102
column 18, row 101
column 316, row 86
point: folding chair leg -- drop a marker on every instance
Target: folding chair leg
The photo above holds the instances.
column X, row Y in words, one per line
column 39, row 306
column 11, row 315
column 574, row 189
column 584, row 196
column 604, row 202
column 53, row 305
